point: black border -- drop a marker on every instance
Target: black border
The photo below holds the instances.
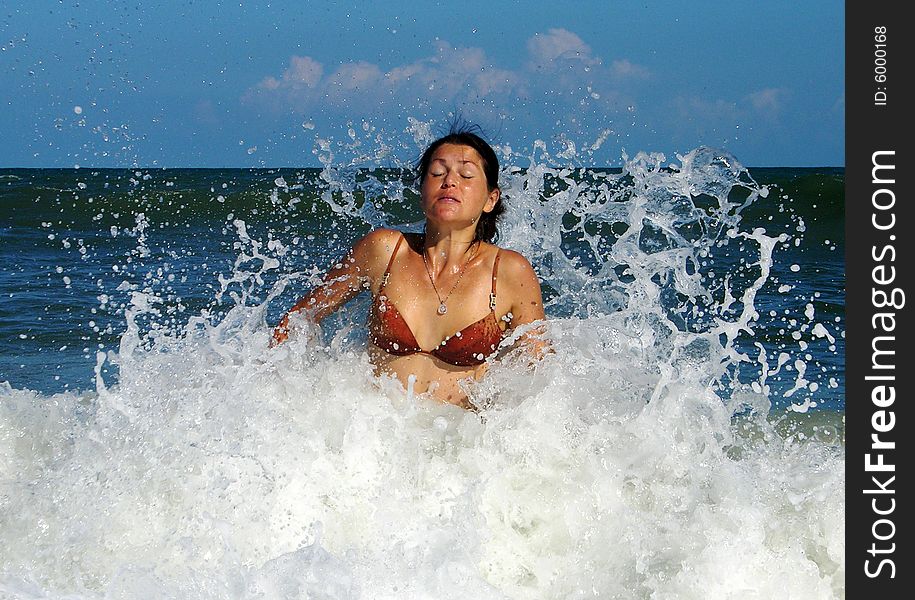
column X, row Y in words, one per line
column 872, row 127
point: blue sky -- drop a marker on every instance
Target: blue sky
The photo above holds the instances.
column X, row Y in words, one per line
column 181, row 83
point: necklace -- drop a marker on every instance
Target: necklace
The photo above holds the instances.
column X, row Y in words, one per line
column 442, row 308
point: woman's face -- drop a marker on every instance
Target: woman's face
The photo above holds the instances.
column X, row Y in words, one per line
column 455, row 189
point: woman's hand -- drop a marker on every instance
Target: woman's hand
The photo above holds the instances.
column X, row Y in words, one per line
column 297, row 322
column 281, row 331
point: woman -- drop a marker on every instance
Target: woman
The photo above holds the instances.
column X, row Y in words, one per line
column 442, row 299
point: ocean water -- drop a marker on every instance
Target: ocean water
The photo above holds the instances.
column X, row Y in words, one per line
column 685, row 440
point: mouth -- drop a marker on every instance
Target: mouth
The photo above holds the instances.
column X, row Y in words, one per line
column 449, row 199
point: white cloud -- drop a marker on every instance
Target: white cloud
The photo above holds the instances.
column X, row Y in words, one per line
column 695, row 113
column 302, row 71
column 555, row 48
column 454, row 76
column 625, row 69
column 354, row 77
column 768, row 101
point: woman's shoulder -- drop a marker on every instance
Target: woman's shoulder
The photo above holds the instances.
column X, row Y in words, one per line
column 515, row 272
column 371, row 252
column 378, row 242
column 514, row 264
column 382, row 235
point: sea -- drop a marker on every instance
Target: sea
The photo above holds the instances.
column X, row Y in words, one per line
column 683, row 439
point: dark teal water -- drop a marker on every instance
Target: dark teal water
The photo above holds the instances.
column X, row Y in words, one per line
column 76, row 245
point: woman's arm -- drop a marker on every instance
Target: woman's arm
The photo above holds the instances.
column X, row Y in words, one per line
column 522, row 283
column 362, row 265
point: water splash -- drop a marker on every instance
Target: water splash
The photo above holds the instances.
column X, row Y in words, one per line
column 637, row 460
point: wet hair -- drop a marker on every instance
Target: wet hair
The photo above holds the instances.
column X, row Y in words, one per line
column 462, row 134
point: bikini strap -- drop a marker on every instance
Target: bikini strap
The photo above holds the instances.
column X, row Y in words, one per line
column 495, row 272
column 387, row 272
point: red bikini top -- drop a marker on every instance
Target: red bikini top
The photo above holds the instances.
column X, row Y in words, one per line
column 468, row 347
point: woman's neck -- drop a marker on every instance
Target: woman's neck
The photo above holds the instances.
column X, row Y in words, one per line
column 448, row 249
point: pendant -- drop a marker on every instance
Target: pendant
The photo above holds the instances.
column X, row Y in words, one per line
column 442, row 309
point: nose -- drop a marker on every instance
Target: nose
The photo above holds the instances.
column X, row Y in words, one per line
column 450, row 179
